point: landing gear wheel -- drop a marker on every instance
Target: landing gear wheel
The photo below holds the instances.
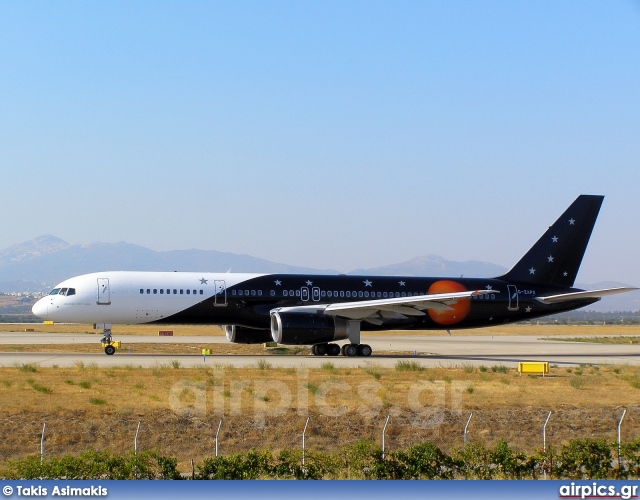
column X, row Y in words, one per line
column 333, row 350
column 364, row 350
column 321, row 349
column 109, row 350
column 342, row 349
column 351, row 350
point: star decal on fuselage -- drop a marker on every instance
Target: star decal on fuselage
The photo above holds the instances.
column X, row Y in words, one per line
column 278, row 282
column 528, row 309
column 532, row 271
column 202, row 281
column 572, row 221
column 309, row 282
column 550, row 258
column 367, row 283
column 489, row 287
column 401, row 283
column 554, row 239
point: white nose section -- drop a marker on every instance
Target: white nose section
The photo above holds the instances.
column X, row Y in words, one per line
column 40, row 308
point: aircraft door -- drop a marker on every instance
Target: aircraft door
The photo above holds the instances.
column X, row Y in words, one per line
column 220, row 298
column 104, row 293
column 304, row 293
column 315, row 293
column 512, row 290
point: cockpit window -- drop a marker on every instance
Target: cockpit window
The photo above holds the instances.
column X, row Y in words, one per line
column 63, row 291
column 54, row 291
column 71, row 291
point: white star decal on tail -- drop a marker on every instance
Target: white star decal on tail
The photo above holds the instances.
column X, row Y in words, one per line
column 572, row 222
column 554, row 239
column 532, row 271
column 565, row 274
column 550, row 258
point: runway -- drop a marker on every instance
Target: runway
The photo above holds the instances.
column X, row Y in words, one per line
column 437, row 351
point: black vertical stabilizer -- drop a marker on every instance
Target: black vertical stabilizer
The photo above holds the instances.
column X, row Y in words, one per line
column 556, row 256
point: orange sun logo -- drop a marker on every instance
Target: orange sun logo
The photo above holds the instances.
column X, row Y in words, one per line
column 458, row 310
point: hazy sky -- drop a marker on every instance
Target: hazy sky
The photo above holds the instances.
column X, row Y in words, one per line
column 326, row 134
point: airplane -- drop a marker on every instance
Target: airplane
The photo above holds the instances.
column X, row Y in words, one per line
column 320, row 310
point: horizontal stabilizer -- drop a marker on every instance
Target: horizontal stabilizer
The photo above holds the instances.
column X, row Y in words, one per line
column 589, row 294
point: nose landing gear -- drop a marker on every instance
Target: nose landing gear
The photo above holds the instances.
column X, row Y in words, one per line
column 108, row 344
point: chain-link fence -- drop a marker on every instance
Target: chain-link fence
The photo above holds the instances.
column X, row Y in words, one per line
column 194, row 437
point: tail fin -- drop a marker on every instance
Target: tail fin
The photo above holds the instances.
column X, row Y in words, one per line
column 556, row 256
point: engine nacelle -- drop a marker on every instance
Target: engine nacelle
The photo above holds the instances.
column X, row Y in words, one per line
column 243, row 335
column 303, row 328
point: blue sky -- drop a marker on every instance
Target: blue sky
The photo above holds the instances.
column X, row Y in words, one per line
column 326, row 134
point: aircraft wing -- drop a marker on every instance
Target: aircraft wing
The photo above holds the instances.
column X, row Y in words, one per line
column 589, row 294
column 377, row 310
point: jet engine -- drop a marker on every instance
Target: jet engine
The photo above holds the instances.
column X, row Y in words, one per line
column 303, row 328
column 243, row 335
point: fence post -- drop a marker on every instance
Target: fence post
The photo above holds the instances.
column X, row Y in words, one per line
column 465, row 429
column 383, row 431
column 135, row 440
column 303, row 434
column 544, row 433
column 44, row 427
column 218, row 432
column 619, row 425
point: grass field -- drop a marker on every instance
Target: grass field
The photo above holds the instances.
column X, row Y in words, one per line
column 194, row 330
column 87, row 407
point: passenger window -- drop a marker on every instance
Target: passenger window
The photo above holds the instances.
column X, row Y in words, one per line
column 175, row 291
column 246, row 292
column 379, row 294
column 366, row 294
column 188, row 292
column 253, row 293
column 272, row 293
column 297, row 293
column 328, row 294
column 181, row 291
column 397, row 294
column 493, row 295
column 168, row 291
column 233, row 292
column 155, row 290
column 201, row 292
column 161, row 290
column 348, row 294
column 384, row 295
column 403, row 294
column 360, row 294
column 195, row 292
column 240, row 292
column 148, row 290
column 142, row 290
column 259, row 293
column 285, row 293
column 290, row 293
column 341, row 294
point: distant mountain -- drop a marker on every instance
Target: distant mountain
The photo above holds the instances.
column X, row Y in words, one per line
column 434, row 265
column 39, row 264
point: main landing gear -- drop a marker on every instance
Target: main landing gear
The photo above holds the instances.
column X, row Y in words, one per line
column 346, row 350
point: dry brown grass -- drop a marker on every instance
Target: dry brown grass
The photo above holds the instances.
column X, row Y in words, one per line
column 90, row 407
column 184, row 330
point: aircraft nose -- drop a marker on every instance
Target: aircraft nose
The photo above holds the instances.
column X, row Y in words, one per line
column 40, row 308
